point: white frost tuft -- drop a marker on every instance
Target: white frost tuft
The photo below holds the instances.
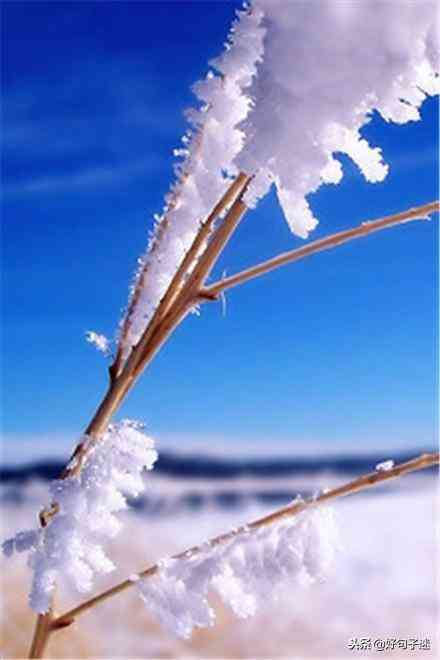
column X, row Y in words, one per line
column 294, row 86
column 324, row 71
column 386, row 466
column 246, row 572
column 71, row 546
column 100, row 342
column 203, row 173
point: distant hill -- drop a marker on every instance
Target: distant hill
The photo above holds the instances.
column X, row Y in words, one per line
column 196, row 466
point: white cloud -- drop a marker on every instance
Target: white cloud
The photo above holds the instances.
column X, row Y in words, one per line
column 88, row 177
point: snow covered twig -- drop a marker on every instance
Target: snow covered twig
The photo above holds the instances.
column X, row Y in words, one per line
column 362, row 483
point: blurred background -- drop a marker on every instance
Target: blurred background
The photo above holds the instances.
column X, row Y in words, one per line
column 308, row 377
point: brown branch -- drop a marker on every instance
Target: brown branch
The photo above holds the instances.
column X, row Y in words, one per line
column 360, row 484
column 189, row 295
column 185, row 267
column 365, row 229
column 173, row 308
column 42, row 632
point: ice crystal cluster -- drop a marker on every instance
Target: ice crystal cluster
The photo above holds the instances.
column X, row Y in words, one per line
column 326, row 67
column 294, row 86
column 71, row 547
column 100, row 342
column 204, row 170
column 247, row 572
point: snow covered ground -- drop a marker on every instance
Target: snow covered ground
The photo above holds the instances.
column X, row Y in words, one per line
column 383, row 585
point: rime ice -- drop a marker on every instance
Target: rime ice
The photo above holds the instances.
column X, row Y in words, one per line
column 294, row 87
column 71, row 546
column 100, row 342
column 386, row 466
column 203, row 173
column 326, row 67
column 246, row 572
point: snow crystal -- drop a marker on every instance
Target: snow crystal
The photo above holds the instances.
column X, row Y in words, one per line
column 293, row 87
column 71, row 546
column 100, row 342
column 247, row 571
column 386, row 466
column 324, row 71
column 204, row 173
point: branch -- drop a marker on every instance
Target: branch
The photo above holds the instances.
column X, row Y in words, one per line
column 418, row 213
column 43, row 628
column 360, row 484
column 164, row 320
column 190, row 258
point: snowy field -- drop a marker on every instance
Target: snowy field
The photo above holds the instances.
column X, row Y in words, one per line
column 383, row 585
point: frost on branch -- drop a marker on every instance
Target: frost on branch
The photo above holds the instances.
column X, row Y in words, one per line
column 325, row 70
column 247, row 571
column 71, row 546
column 294, row 86
column 203, row 173
column 385, row 466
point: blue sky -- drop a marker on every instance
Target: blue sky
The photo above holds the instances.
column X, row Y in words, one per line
column 337, row 350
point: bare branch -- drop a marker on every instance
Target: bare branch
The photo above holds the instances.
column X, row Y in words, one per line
column 365, row 229
column 360, row 484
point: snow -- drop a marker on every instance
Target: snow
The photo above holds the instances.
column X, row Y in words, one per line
column 204, row 172
column 385, row 466
column 383, row 583
column 71, row 546
column 100, row 342
column 324, row 71
column 293, row 88
column 247, row 571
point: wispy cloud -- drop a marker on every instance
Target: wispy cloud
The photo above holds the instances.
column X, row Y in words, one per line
column 87, row 178
column 96, row 129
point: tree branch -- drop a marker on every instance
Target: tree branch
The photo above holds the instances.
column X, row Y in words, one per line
column 418, row 213
column 360, row 484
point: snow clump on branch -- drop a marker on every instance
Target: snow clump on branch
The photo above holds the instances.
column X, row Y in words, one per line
column 294, row 86
column 71, row 545
column 247, row 571
column 326, row 68
column 203, row 173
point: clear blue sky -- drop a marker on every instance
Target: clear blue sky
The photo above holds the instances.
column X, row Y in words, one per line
column 337, row 349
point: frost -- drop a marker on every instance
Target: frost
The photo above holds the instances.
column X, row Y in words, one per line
column 247, row 572
column 324, row 71
column 292, row 89
column 100, row 342
column 386, row 466
column 71, row 546
column 203, row 173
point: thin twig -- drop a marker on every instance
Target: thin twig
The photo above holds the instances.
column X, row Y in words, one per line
column 42, row 632
column 360, row 484
column 185, row 267
column 366, row 228
column 169, row 313
column 189, row 296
